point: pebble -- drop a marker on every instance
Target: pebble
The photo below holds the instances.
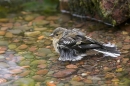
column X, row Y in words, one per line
column 51, row 83
column 71, row 66
column 75, row 83
column 2, row 33
column 42, row 72
column 24, row 82
column 88, row 81
column 29, row 17
column 25, row 73
column 4, row 20
column 38, row 78
column 64, row 73
column 126, row 47
column 32, row 34
column 12, row 46
column 8, row 35
column 16, row 71
column 22, row 47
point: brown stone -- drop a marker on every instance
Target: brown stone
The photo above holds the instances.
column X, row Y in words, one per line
column 22, row 47
column 88, row 81
column 42, row 72
column 64, row 73
column 2, row 33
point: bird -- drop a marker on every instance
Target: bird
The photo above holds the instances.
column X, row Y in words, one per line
column 72, row 45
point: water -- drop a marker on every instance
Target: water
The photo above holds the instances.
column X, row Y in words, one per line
column 27, row 57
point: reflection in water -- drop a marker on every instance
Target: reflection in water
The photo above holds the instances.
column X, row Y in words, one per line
column 9, row 69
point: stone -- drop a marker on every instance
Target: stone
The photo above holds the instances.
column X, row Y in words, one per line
column 77, row 78
column 8, row 35
column 71, row 66
column 64, row 73
column 16, row 31
column 50, row 83
column 42, row 72
column 12, row 46
column 47, row 42
column 40, row 28
column 33, row 48
column 28, row 56
column 75, row 83
column 42, row 66
column 47, row 34
column 52, row 18
column 25, row 73
column 126, row 47
column 40, row 37
column 24, row 82
column 36, row 62
column 88, row 81
column 3, row 65
column 38, row 78
column 16, row 71
column 4, row 20
column 29, row 17
column 22, row 47
column 44, row 50
column 109, row 75
column 25, row 63
column 2, row 33
column 41, row 23
column 119, row 69
column 32, row 34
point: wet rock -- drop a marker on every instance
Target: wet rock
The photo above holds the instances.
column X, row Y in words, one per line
column 3, row 43
column 3, row 65
column 40, row 23
column 46, row 34
column 75, row 83
column 40, row 29
column 77, row 78
column 32, row 34
column 119, row 69
column 71, row 66
column 126, row 47
column 36, row 62
column 2, row 58
column 93, row 78
column 38, row 78
column 47, row 42
column 64, row 73
column 60, row 84
column 24, row 82
column 109, row 75
column 44, row 50
column 29, row 17
column 12, row 46
column 2, row 33
column 4, row 20
column 40, row 37
column 42, row 66
column 50, row 83
column 28, row 56
column 42, row 72
column 52, row 18
column 22, row 47
column 16, row 71
column 9, row 35
column 33, row 48
column 25, row 73
column 4, row 28
column 25, row 63
column 16, row 32
column 88, row 81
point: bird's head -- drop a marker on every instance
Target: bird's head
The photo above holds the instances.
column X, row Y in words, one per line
column 58, row 32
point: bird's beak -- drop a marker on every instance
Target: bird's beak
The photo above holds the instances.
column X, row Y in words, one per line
column 51, row 35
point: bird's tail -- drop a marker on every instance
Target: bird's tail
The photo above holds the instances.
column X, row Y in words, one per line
column 109, row 50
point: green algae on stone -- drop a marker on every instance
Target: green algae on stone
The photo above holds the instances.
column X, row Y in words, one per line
column 24, row 82
column 12, row 46
column 29, row 56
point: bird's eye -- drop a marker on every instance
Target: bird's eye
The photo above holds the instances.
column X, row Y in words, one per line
column 56, row 34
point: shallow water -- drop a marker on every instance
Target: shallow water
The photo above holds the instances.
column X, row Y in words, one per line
column 27, row 57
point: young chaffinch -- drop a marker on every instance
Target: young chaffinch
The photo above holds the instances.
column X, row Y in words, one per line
column 73, row 44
